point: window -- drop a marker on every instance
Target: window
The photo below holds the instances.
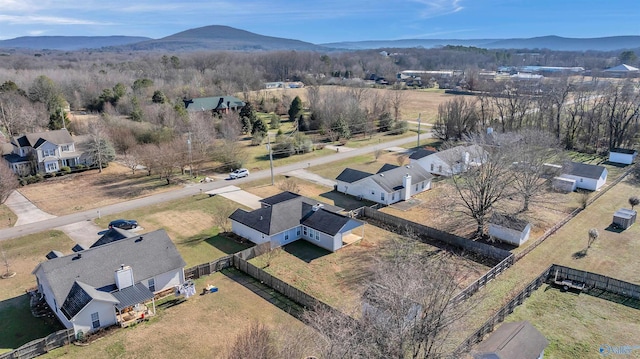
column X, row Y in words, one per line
column 152, row 284
column 393, row 196
column 65, row 148
column 416, row 187
column 298, row 231
column 52, row 166
column 422, row 185
column 311, row 232
column 432, row 167
column 440, row 168
column 49, row 152
column 304, row 231
column 580, row 179
column 382, row 196
column 286, row 236
column 317, row 236
column 95, row 320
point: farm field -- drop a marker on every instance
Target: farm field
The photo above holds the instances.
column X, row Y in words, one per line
column 339, row 278
column 577, row 325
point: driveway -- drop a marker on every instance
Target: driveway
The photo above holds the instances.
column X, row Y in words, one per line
column 26, row 211
column 311, row 177
column 84, row 233
column 237, row 195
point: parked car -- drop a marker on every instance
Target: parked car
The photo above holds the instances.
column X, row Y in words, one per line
column 124, row 224
column 239, row 173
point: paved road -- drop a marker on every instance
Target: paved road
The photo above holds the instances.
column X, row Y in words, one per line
column 191, row 190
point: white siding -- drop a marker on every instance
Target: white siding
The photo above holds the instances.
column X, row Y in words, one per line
column 433, row 164
column 509, row 235
column 365, row 188
column 325, row 241
column 248, row 233
column 167, row 280
column 624, row 158
column 588, row 183
column 106, row 314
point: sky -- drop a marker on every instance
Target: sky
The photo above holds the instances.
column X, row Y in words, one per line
column 323, row 21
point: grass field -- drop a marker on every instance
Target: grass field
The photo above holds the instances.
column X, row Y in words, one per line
column 7, row 218
column 339, row 278
column 578, row 325
column 201, row 327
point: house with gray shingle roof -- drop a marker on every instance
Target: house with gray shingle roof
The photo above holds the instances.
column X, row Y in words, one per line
column 94, row 288
column 450, row 161
column 389, row 185
column 43, row 152
column 287, row 217
column 586, row 176
column 516, row 340
column 216, row 104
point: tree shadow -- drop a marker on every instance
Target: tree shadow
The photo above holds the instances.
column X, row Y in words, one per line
column 616, row 298
column 579, row 254
column 19, row 326
column 305, row 251
column 220, row 241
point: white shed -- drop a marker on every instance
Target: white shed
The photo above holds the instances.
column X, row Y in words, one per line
column 509, row 229
column 622, row 155
column 590, row 177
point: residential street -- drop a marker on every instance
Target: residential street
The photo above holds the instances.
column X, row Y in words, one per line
column 191, row 190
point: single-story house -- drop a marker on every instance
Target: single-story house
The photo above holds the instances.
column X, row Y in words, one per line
column 111, row 283
column 287, row 217
column 624, row 218
column 509, row 229
column 622, row 155
column 217, row 104
column 622, row 70
column 590, row 177
column 389, row 185
column 450, row 161
column 516, row 340
column 43, row 152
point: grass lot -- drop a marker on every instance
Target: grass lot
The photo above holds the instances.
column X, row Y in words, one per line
column 339, row 278
column 577, row 325
column 191, row 223
column 18, row 325
column 201, row 327
column 7, row 218
column 613, row 253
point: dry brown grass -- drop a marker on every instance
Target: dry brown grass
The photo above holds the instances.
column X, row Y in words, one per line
column 90, row 189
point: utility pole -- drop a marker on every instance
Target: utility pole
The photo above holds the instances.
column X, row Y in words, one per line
column 190, row 158
column 418, row 130
column 270, row 156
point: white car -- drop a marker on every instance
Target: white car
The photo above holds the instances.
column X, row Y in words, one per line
column 239, row 173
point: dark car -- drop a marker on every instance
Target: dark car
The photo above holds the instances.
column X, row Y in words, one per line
column 124, row 224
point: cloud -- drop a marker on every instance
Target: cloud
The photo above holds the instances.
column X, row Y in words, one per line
column 47, row 20
column 434, row 8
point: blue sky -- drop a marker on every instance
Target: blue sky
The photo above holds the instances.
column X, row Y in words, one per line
column 320, row 21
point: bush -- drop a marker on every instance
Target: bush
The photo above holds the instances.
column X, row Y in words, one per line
column 257, row 138
column 401, row 127
column 80, row 167
column 65, row 169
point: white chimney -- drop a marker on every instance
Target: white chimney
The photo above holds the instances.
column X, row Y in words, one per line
column 317, row 206
column 406, row 183
column 124, row 277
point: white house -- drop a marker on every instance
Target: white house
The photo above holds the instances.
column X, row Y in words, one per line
column 108, row 284
column 622, row 155
column 450, row 161
column 515, row 340
column 509, row 229
column 287, row 217
column 389, row 185
column 43, row 152
column 586, row 176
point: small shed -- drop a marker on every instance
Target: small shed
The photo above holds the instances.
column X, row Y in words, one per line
column 509, row 229
column 624, row 156
column 624, row 218
column 517, row 340
column 562, row 184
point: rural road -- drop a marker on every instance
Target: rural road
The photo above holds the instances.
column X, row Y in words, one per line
column 190, row 190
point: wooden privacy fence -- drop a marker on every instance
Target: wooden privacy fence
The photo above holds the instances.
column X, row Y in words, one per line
column 41, row 346
column 208, row 268
column 400, row 225
column 486, row 278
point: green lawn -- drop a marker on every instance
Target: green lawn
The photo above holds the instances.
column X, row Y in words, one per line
column 577, row 325
column 7, row 218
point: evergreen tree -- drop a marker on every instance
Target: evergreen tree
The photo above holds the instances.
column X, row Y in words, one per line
column 295, row 109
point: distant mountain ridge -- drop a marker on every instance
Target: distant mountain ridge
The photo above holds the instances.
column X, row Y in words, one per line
column 218, row 37
column 556, row 43
column 68, row 43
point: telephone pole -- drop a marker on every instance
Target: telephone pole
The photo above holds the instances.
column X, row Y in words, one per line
column 418, row 130
column 270, row 156
column 190, row 158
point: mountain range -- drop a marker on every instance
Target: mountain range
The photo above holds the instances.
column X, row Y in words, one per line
column 216, row 37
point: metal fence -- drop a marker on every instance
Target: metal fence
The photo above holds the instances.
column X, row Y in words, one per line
column 41, row 346
column 426, row 233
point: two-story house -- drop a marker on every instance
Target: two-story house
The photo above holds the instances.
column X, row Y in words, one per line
column 42, row 152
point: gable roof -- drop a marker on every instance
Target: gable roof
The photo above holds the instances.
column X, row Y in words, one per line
column 80, row 295
column 132, row 295
column 421, row 153
column 508, row 221
column 286, row 210
column 350, row 175
column 392, row 180
column 386, row 167
column 111, row 235
column 212, row 103
column 622, row 68
column 325, row 221
column 585, row 170
column 626, row 151
column 148, row 255
column 36, row 139
column 519, row 340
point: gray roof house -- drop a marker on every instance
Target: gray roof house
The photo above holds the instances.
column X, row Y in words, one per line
column 450, row 161
column 586, row 176
column 216, row 104
column 516, row 340
column 287, row 217
column 43, row 152
column 389, row 185
column 109, row 284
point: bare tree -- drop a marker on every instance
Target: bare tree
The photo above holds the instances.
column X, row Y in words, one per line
column 397, row 100
column 131, row 161
column 8, row 181
column 593, row 235
column 100, row 148
column 289, row 185
column 255, row 342
column 456, row 118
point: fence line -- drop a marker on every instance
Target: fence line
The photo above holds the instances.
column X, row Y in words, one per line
column 41, row 346
column 486, row 278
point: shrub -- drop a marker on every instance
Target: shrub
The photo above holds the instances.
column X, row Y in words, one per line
column 401, row 127
column 65, row 169
column 81, row 167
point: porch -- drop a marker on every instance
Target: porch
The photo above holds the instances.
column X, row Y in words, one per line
column 132, row 307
